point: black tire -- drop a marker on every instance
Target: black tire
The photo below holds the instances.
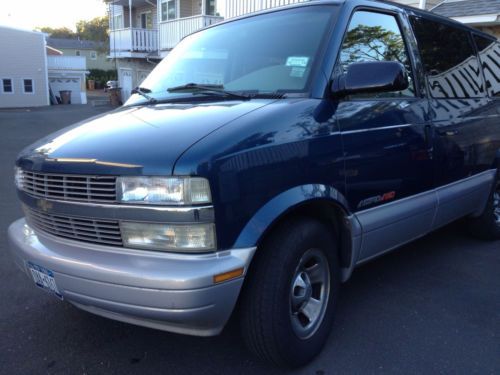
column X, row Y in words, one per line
column 487, row 226
column 269, row 326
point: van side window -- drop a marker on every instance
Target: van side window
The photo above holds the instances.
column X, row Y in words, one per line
column 375, row 37
column 449, row 60
column 489, row 55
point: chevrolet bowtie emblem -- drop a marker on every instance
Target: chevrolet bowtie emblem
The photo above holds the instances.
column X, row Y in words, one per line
column 44, row 205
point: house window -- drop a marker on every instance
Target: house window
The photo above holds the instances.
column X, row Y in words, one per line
column 28, row 86
column 7, row 86
column 77, row 53
column 146, row 20
column 118, row 21
column 93, row 55
column 210, row 7
column 168, row 10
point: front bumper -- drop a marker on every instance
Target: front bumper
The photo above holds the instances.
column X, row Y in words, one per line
column 171, row 292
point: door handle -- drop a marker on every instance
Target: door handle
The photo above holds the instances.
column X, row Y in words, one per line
column 429, row 141
column 448, row 133
column 428, row 136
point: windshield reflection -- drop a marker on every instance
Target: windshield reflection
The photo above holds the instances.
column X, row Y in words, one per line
column 268, row 54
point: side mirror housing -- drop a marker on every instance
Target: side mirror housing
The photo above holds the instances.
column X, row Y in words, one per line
column 370, row 77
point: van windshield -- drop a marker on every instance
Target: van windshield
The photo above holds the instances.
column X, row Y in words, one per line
column 267, row 54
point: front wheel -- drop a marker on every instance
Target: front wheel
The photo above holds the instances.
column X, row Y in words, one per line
column 290, row 294
column 487, row 226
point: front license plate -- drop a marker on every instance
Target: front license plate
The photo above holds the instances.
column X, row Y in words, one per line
column 44, row 279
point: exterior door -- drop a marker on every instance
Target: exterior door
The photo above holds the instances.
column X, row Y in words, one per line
column 386, row 139
column 146, row 20
column 126, row 83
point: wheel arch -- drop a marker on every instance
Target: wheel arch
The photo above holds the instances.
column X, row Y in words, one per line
column 317, row 201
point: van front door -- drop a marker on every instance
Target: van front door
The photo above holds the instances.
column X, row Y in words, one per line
column 387, row 142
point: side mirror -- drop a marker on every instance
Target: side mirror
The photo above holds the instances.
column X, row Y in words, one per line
column 370, row 77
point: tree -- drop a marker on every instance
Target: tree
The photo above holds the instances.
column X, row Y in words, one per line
column 373, row 43
column 96, row 29
column 58, row 32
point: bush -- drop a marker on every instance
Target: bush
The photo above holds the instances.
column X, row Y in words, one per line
column 101, row 76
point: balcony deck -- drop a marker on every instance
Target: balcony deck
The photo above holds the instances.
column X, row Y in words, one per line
column 133, row 40
column 66, row 63
column 172, row 32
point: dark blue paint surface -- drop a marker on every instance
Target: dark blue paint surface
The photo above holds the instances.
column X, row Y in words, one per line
column 265, row 157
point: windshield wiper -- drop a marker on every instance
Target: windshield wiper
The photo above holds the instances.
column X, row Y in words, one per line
column 144, row 93
column 207, row 89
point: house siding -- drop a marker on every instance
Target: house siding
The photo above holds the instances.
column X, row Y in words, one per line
column 136, row 15
column 185, row 8
column 25, row 58
column 236, row 8
column 493, row 30
column 102, row 62
column 136, row 69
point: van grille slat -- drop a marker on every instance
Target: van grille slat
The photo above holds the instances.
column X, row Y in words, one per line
column 69, row 187
column 105, row 232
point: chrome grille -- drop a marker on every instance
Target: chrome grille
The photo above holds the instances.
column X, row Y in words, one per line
column 69, row 187
column 76, row 228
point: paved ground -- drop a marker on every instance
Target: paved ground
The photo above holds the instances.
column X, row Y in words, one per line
column 432, row 307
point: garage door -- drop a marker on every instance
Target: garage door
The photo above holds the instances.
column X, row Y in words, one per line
column 67, row 83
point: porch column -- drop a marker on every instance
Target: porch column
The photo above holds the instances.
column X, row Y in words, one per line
column 203, row 7
column 130, row 13
column 130, row 25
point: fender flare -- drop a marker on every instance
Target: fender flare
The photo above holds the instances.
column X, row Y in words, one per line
column 283, row 203
column 286, row 201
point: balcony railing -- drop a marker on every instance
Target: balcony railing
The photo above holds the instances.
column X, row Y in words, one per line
column 66, row 63
column 133, row 40
column 171, row 32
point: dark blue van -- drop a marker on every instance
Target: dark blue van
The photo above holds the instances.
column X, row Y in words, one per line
column 259, row 164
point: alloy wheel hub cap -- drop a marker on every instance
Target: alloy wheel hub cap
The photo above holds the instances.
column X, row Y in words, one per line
column 309, row 293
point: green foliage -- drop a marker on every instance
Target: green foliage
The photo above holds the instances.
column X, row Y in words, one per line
column 102, row 76
column 367, row 43
column 59, row 32
column 96, row 29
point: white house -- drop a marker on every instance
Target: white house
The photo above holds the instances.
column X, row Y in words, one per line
column 482, row 14
column 68, row 73
column 29, row 71
column 23, row 69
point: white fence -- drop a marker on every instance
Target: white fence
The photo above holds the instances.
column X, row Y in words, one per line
column 171, row 32
column 66, row 63
column 235, row 8
column 134, row 40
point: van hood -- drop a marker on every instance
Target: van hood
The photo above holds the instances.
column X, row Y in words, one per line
column 145, row 140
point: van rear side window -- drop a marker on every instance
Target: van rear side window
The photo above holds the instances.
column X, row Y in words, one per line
column 489, row 55
column 450, row 63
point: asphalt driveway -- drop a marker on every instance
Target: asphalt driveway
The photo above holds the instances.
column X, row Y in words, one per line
column 431, row 307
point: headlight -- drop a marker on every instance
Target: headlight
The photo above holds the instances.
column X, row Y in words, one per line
column 168, row 237
column 18, row 177
column 164, row 190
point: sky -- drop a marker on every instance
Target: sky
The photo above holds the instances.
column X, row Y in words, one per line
column 29, row 14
